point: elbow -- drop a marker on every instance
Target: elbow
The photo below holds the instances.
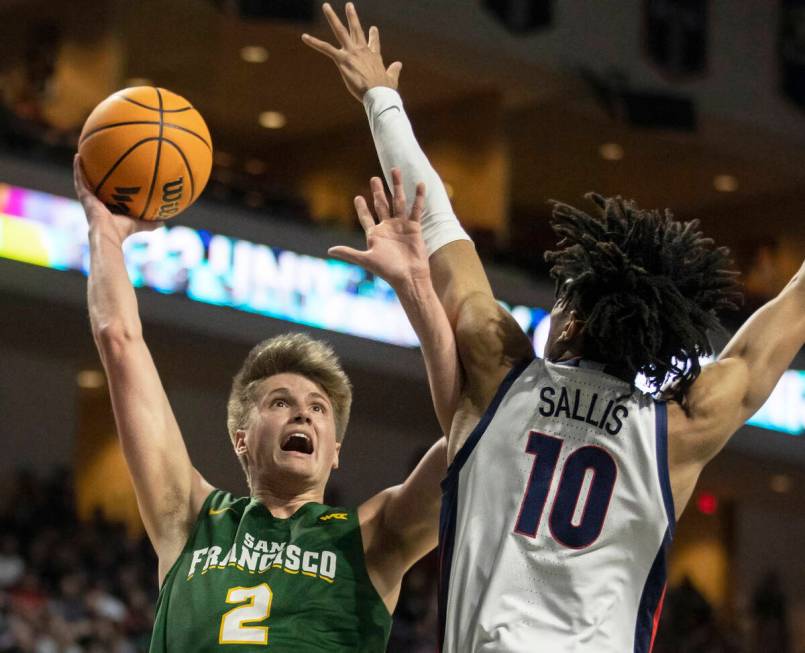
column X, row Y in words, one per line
column 487, row 335
column 114, row 337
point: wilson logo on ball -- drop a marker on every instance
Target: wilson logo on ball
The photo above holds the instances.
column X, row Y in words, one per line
column 172, row 192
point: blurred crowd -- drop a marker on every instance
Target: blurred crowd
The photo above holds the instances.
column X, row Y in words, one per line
column 72, row 587
column 89, row 587
column 65, row 586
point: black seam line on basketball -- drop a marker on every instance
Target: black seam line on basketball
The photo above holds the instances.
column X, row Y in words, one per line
column 116, row 124
column 187, row 167
column 145, row 106
column 190, row 131
column 120, row 160
column 156, row 161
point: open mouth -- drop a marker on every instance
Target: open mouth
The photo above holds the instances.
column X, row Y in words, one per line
column 298, row 442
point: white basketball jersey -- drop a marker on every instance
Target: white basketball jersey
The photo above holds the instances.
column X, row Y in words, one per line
column 556, row 515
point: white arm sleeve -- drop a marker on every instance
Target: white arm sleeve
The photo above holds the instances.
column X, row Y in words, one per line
column 397, row 147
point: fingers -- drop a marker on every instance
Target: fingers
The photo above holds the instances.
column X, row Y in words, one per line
column 374, row 39
column 419, row 203
column 379, row 198
column 364, row 214
column 398, row 193
column 348, row 254
column 393, row 71
column 82, row 189
column 355, row 29
column 325, row 48
column 336, row 25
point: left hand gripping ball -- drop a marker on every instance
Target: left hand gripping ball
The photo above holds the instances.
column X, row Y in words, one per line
column 146, row 152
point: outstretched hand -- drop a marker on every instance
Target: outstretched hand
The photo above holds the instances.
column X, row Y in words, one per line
column 395, row 249
column 358, row 60
column 98, row 216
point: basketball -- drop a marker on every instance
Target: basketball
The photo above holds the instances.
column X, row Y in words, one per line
column 146, row 152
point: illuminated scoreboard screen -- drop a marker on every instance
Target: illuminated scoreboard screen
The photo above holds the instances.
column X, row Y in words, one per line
column 50, row 231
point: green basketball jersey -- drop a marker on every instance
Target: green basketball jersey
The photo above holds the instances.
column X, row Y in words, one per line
column 247, row 581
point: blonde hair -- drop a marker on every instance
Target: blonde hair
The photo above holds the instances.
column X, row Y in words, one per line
column 294, row 353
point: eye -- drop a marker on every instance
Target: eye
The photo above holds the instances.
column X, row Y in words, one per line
column 319, row 408
column 279, row 403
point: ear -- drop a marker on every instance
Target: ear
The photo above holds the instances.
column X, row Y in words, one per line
column 240, row 442
column 336, row 457
column 573, row 328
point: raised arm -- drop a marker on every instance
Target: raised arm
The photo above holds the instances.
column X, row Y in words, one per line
column 169, row 490
column 729, row 391
column 395, row 251
column 489, row 339
column 401, row 523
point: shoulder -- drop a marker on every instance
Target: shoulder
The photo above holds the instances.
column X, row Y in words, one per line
column 713, row 410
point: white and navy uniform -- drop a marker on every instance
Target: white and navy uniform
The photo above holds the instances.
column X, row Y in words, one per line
column 556, row 516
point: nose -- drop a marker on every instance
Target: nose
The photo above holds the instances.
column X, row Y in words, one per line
column 302, row 418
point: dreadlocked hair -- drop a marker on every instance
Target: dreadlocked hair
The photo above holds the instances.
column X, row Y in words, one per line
column 647, row 287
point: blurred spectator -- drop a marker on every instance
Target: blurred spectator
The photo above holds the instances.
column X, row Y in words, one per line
column 65, row 589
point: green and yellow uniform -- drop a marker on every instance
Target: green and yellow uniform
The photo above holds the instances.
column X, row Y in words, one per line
column 247, row 581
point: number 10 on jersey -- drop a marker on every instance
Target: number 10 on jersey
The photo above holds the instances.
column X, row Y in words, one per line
column 574, row 521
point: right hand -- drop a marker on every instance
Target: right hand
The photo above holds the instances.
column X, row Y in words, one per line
column 358, row 60
column 117, row 226
column 395, row 250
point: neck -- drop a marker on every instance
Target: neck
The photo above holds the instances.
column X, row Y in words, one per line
column 283, row 503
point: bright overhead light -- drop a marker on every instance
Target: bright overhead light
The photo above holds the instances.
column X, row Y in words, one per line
column 781, row 483
column 725, row 183
column 90, row 379
column 611, row 152
column 272, row 120
column 254, row 54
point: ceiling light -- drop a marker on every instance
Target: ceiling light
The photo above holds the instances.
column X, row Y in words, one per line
column 254, row 54
column 611, row 152
column 272, row 120
column 725, row 183
column 90, row 379
column 781, row 483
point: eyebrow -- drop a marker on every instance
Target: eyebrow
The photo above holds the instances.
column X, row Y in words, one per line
column 318, row 395
column 286, row 391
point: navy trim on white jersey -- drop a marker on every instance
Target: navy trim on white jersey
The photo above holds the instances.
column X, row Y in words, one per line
column 661, row 422
column 651, row 601
column 474, row 437
column 449, row 508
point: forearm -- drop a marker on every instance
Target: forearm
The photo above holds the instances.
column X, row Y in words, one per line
column 430, row 323
column 111, row 298
column 397, row 147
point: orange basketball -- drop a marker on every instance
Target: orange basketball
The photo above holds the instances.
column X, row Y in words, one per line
column 146, row 152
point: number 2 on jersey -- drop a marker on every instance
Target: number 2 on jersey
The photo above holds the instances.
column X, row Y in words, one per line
column 566, row 526
column 233, row 628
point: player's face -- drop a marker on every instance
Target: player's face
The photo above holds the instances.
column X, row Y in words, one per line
column 291, row 432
